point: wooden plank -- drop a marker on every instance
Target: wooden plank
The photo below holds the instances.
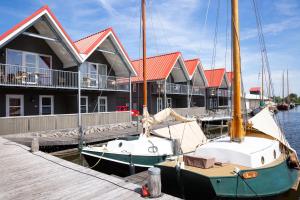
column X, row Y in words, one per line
column 25, row 175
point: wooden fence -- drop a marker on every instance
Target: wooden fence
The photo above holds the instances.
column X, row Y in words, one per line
column 25, row 124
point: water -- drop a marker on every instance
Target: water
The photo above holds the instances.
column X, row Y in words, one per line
column 290, row 122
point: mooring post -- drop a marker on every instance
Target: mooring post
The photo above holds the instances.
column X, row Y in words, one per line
column 154, row 182
column 34, row 145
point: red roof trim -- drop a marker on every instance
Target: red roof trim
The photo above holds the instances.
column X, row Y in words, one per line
column 215, row 75
column 14, row 28
column 44, row 8
column 191, row 69
column 137, row 64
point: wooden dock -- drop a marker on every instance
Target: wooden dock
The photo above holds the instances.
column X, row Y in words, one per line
column 26, row 175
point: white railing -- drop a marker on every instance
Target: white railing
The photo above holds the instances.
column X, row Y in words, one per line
column 16, row 75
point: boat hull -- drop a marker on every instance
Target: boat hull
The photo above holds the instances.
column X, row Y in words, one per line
column 271, row 181
column 120, row 164
column 283, row 107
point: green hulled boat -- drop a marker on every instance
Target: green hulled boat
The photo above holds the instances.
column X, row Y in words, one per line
column 254, row 161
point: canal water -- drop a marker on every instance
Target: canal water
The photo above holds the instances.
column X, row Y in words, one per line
column 290, row 122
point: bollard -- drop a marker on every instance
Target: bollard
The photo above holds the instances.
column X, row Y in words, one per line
column 34, row 145
column 154, row 182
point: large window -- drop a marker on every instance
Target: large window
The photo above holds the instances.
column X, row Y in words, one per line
column 14, row 105
column 31, row 67
column 84, row 104
column 46, row 105
column 102, row 104
column 94, row 74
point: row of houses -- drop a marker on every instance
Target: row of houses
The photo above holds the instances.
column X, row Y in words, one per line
column 42, row 71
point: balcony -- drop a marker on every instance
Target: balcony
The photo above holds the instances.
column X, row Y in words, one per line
column 171, row 88
column 195, row 90
column 21, row 76
column 102, row 82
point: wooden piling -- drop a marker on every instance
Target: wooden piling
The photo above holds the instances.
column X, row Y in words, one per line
column 154, row 182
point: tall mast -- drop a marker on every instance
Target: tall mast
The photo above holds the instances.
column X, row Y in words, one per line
column 262, row 84
column 288, row 87
column 237, row 132
column 144, row 52
column 283, row 87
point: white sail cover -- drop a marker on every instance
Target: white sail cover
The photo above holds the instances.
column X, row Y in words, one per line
column 189, row 134
column 160, row 117
column 265, row 122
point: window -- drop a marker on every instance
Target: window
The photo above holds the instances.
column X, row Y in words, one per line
column 90, row 74
column 33, row 67
column 46, row 105
column 102, row 104
column 14, row 105
column 84, row 104
column 169, row 102
column 159, row 105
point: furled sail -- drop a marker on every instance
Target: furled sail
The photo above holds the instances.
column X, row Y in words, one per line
column 265, row 123
column 160, row 117
column 189, row 134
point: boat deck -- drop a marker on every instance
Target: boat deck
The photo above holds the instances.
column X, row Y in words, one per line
column 26, row 175
column 217, row 171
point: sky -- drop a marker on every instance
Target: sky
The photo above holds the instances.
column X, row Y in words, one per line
column 188, row 26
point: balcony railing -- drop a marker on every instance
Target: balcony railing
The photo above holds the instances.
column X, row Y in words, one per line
column 173, row 88
column 195, row 90
column 102, row 82
column 16, row 75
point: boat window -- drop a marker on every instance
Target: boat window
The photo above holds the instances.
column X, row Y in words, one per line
column 274, row 154
column 120, row 144
column 262, row 160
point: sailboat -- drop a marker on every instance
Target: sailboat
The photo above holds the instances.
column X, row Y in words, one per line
column 254, row 160
column 134, row 154
column 283, row 105
column 290, row 103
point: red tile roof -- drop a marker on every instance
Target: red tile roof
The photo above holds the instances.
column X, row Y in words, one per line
column 191, row 65
column 86, row 44
column 229, row 77
column 158, row 67
column 36, row 13
column 255, row 89
column 215, row 77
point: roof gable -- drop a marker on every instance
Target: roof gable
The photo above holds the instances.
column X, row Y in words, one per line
column 229, row 77
column 31, row 20
column 107, row 37
column 158, row 67
column 191, row 66
column 215, row 77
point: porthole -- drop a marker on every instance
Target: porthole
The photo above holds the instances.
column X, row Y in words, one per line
column 262, row 160
column 274, row 154
column 120, row 144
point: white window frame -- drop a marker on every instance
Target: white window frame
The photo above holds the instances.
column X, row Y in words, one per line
column 40, row 103
column 86, row 105
column 102, row 97
column 159, row 104
column 37, row 64
column 28, row 52
column 21, row 97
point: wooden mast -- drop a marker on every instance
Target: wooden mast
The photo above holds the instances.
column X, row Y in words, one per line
column 288, row 87
column 144, row 53
column 283, row 87
column 237, row 132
